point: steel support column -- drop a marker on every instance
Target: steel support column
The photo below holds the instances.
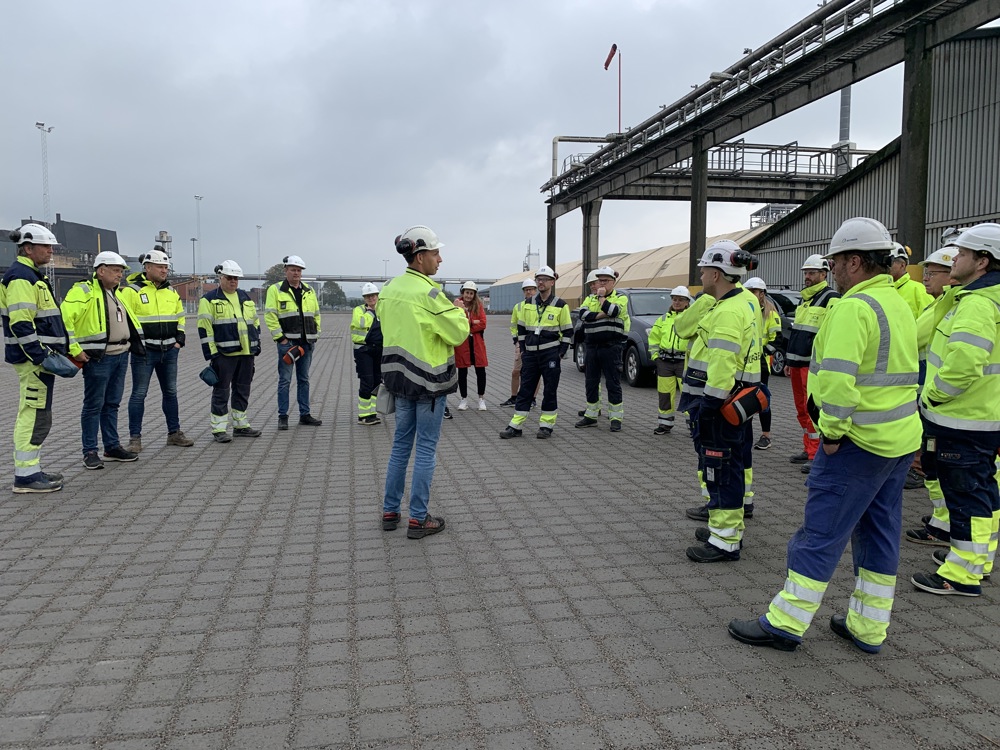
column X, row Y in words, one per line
column 914, row 149
column 699, row 207
column 550, row 241
column 591, row 238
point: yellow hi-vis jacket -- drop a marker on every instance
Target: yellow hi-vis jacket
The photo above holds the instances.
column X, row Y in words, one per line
column 158, row 309
column 727, row 346
column 664, row 343
column 514, row 315
column 863, row 373
column 913, row 293
column 809, row 316
column 932, row 315
column 225, row 329
column 962, row 387
column 544, row 325
column 285, row 320
column 365, row 326
column 611, row 329
column 32, row 324
column 420, row 330
column 85, row 313
column 686, row 326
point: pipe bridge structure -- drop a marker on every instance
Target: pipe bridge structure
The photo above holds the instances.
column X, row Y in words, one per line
column 689, row 150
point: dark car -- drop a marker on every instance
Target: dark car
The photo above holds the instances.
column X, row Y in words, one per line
column 786, row 301
column 645, row 305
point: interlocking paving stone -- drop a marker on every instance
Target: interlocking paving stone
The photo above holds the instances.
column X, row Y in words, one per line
column 244, row 595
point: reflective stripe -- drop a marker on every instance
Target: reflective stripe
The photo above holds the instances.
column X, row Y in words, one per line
column 26, row 455
column 903, row 378
column 23, row 306
column 884, row 334
column 869, row 612
column 875, row 589
column 961, row 424
column 22, row 339
column 718, row 543
column 840, row 412
column 748, row 378
column 53, row 313
column 716, row 392
column 953, row 559
column 888, row 415
column 789, row 357
column 991, row 370
column 946, row 387
column 832, row 364
column 801, row 592
column 804, row 327
column 970, row 338
column 221, row 344
column 728, row 346
column 541, row 347
column 934, row 359
column 797, row 613
column 603, row 327
column 975, row 548
column 697, row 364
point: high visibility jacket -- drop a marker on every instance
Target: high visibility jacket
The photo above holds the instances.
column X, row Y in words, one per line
column 663, row 339
column 421, row 328
column 366, row 330
column 158, row 309
column 225, row 330
column 85, row 313
column 611, row 329
column 863, row 374
column 544, row 325
column 931, row 316
column 32, row 323
column 771, row 328
column 809, row 316
column 686, row 326
column 962, row 388
column 727, row 346
column 914, row 294
column 284, row 318
column 514, row 315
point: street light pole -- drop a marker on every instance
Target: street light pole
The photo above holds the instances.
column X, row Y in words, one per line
column 197, row 215
column 46, row 210
column 193, row 241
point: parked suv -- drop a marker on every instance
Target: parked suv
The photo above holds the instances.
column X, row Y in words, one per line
column 645, row 305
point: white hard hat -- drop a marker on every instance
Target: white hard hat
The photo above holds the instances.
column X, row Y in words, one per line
column 155, row 256
column 815, row 262
column 108, row 258
column 681, row 291
column 36, row 234
column 417, row 238
column 899, row 251
column 369, row 288
column 528, row 284
column 606, row 271
column 293, row 260
column 546, row 271
column 755, row 282
column 592, row 276
column 470, row 285
column 861, row 235
column 943, row 257
column 982, row 238
column 229, row 268
column 721, row 255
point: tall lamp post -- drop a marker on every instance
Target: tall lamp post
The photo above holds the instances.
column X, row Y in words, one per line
column 46, row 210
column 194, row 240
column 259, row 269
column 197, row 218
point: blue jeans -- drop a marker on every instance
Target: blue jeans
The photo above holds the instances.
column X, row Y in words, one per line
column 301, row 366
column 164, row 364
column 422, row 421
column 103, row 385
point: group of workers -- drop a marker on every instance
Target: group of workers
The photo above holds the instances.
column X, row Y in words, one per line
column 109, row 321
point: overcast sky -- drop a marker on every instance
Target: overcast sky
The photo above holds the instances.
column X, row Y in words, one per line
column 335, row 124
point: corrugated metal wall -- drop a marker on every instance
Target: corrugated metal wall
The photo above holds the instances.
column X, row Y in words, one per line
column 964, row 170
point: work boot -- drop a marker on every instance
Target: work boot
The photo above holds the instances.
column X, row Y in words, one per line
column 53, row 476
column 222, row 437
column 544, row 433
column 36, row 484
column 509, row 402
column 838, row 624
column 939, row 556
column 283, row 421
column 510, row 432
column 698, row 513
column 135, row 444
column 616, row 425
column 799, row 458
column 707, row 553
column 806, row 467
column 913, row 481
column 120, row 454
column 581, row 413
column 310, row 420
column 372, row 419
column 661, row 429
column 748, row 511
column 586, row 422
column 753, row 633
column 245, row 432
column 390, row 521
column 923, row 536
column 420, row 529
column 702, row 534
column 180, row 439
column 932, row 583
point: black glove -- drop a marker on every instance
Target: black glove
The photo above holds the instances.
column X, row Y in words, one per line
column 813, row 411
column 563, row 348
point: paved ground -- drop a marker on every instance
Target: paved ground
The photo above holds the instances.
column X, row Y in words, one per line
column 244, row 596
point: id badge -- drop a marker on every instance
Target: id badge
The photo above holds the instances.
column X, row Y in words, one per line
column 538, row 330
column 931, row 445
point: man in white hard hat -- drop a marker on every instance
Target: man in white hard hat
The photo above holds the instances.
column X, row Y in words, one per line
column 160, row 312
column 102, row 331
column 366, row 336
column 605, row 321
column 809, row 316
column 960, row 409
column 912, row 292
column 528, row 289
column 421, row 329
column 291, row 313
column 229, row 330
column 33, row 330
column 863, row 398
column 667, row 350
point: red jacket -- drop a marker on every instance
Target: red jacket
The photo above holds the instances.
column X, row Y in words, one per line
column 477, row 324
